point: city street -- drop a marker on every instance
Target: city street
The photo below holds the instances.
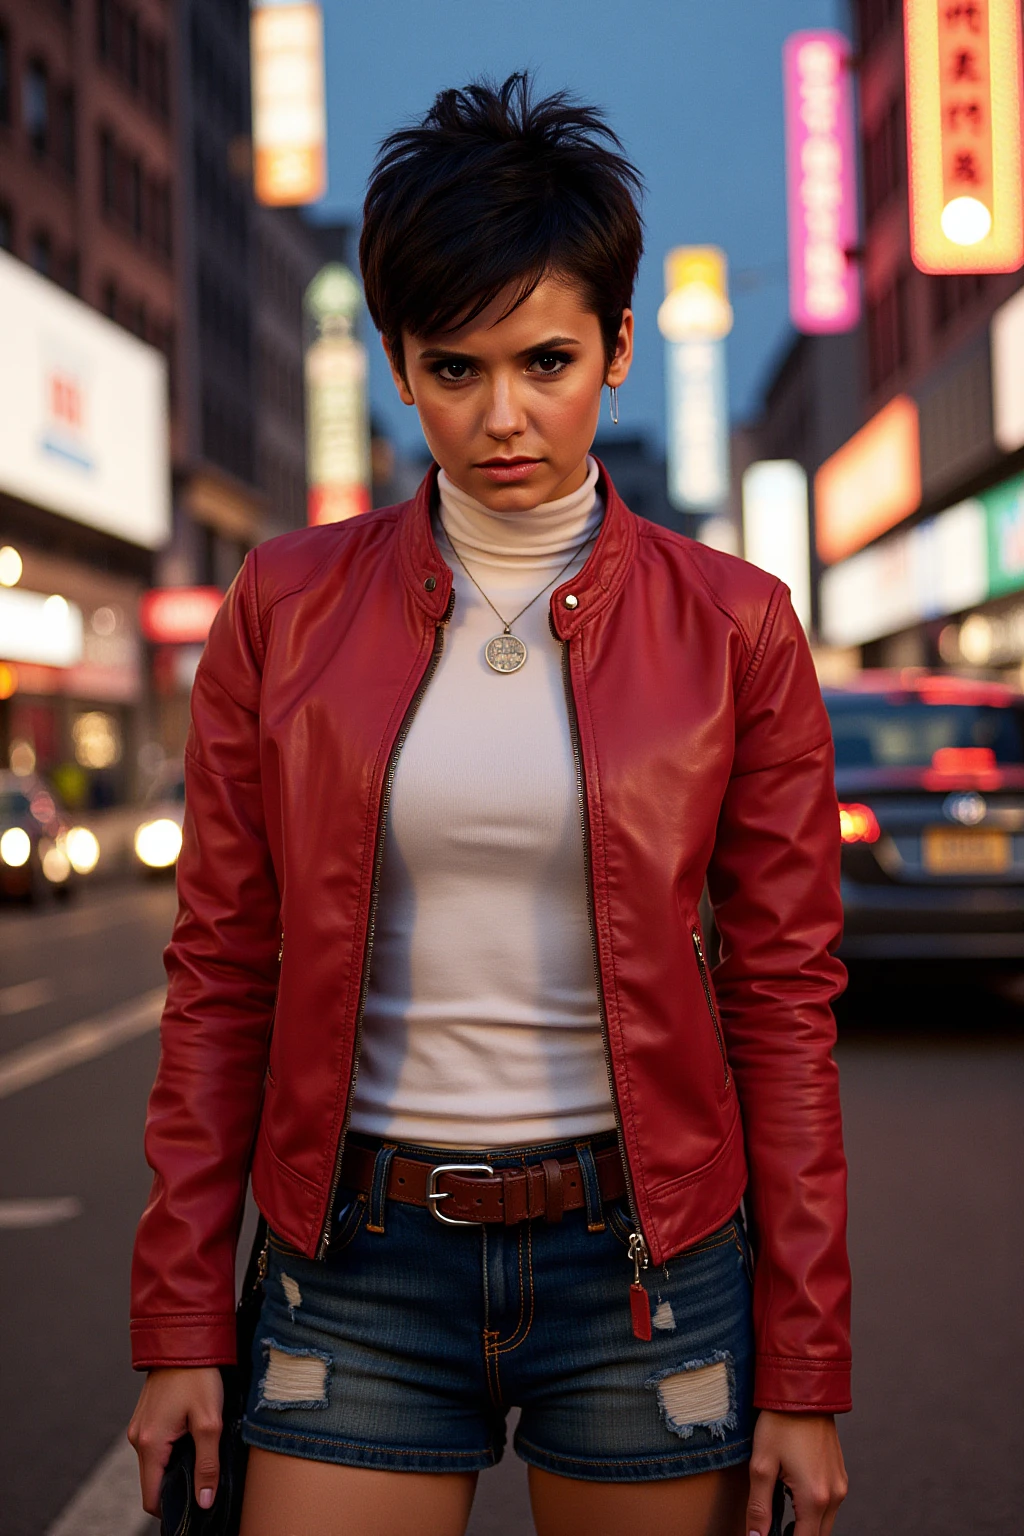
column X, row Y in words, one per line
column 933, row 1073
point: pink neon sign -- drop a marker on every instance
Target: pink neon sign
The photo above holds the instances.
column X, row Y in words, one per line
column 824, row 283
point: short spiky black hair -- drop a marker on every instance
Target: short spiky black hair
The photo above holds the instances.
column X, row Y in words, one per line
column 491, row 192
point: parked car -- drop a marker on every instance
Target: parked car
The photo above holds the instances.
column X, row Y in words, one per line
column 158, row 835
column 41, row 849
column 930, row 778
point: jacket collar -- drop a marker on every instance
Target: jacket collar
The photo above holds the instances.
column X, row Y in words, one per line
column 573, row 603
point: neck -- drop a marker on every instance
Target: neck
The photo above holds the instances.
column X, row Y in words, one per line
column 534, row 537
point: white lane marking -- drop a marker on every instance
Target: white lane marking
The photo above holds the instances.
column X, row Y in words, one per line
column 108, row 1503
column 79, row 1042
column 38, row 1213
column 26, row 994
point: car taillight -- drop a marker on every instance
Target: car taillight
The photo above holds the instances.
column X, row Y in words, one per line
column 953, row 761
column 858, row 824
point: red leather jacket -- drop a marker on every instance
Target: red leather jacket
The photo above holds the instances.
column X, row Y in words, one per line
column 704, row 750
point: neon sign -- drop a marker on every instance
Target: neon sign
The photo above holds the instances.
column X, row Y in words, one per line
column 824, row 284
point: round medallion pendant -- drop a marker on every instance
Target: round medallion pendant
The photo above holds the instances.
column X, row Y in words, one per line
column 505, row 653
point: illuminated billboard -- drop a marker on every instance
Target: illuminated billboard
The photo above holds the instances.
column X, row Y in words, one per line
column 83, row 412
column 964, row 105
column 289, row 121
column 694, row 319
column 821, row 183
column 776, row 535
column 337, row 415
column 871, row 483
column 1008, row 374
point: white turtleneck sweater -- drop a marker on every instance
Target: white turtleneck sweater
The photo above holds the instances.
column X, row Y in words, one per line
column 482, row 1026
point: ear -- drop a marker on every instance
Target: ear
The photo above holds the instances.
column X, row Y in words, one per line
column 404, row 392
column 619, row 366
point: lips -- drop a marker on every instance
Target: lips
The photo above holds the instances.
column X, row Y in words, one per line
column 508, row 470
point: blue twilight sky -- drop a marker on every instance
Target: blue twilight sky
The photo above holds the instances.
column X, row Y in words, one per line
column 694, row 89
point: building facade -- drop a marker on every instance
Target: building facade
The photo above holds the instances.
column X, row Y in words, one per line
column 946, row 551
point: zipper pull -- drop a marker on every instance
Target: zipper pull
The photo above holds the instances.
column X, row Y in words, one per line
column 639, row 1301
column 280, row 951
column 261, row 1262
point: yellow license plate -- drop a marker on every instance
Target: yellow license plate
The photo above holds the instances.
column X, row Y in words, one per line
column 966, row 851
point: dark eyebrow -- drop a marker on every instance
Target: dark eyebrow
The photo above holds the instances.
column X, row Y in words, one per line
column 433, row 354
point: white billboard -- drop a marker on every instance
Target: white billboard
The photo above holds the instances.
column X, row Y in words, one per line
column 776, row 528
column 1008, row 373
column 40, row 629
column 83, row 412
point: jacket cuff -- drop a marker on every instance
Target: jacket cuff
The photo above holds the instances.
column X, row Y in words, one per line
column 192, row 1339
column 789, row 1384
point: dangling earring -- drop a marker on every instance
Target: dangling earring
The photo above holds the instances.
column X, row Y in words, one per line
column 613, row 403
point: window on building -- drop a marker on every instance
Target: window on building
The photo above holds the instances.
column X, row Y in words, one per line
column 40, row 253
column 5, row 75
column 952, row 295
column 6, row 227
column 888, row 332
column 64, row 129
column 884, row 159
column 69, row 273
column 108, row 299
column 36, row 106
column 108, row 171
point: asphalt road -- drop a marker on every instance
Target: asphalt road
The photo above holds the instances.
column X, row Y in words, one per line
column 932, row 1070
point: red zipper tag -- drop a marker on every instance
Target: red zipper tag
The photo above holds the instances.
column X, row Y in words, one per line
column 640, row 1311
column 639, row 1302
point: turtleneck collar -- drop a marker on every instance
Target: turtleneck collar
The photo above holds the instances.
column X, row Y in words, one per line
column 543, row 535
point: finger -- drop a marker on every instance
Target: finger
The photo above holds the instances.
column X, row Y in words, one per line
column 764, row 1470
column 810, row 1505
column 205, row 1431
column 152, row 1460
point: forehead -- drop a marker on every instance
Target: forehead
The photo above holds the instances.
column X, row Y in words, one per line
column 556, row 307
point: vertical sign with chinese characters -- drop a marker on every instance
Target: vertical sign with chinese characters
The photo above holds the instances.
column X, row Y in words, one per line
column 964, row 106
column 695, row 319
column 821, row 179
column 337, row 422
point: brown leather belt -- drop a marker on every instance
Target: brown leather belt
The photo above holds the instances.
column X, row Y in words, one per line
column 469, row 1193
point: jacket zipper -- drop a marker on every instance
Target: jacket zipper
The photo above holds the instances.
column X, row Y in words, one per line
column 706, row 984
column 378, row 859
column 638, row 1250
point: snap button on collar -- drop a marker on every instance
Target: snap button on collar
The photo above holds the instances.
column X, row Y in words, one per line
column 430, row 583
column 571, row 601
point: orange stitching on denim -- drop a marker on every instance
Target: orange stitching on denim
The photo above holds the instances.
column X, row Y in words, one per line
column 514, row 1343
column 637, row 1461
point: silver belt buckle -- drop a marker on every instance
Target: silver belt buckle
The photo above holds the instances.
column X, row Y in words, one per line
column 434, row 1194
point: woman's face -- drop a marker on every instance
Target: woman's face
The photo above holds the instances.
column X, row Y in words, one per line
column 509, row 408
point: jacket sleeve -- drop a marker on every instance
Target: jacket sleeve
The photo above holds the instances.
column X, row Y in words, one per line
column 774, row 885
column 222, row 964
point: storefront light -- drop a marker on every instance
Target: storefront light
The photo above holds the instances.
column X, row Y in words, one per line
column 56, row 865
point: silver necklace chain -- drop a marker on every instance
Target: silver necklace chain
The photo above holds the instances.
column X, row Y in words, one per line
column 509, row 622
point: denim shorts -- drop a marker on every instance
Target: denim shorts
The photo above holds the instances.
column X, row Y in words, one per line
column 405, row 1348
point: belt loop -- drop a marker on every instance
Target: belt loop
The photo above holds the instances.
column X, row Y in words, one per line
column 591, row 1187
column 379, row 1188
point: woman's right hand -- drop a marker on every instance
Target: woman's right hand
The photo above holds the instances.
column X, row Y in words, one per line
column 174, row 1402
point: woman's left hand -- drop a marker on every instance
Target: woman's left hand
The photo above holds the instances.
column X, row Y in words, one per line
column 803, row 1449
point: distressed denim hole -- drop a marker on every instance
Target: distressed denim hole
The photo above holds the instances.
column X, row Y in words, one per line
column 294, row 1378
column 700, row 1395
column 292, row 1294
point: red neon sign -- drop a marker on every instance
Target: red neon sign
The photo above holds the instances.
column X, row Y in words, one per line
column 824, row 283
column 179, row 615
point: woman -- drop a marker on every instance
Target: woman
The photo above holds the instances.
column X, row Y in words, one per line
column 458, row 771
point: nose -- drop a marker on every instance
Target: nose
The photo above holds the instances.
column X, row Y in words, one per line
column 505, row 416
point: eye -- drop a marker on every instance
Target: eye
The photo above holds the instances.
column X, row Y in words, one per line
column 550, row 363
column 451, row 370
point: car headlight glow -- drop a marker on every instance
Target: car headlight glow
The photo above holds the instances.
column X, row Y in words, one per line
column 82, row 849
column 56, row 865
column 158, row 843
column 15, row 847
